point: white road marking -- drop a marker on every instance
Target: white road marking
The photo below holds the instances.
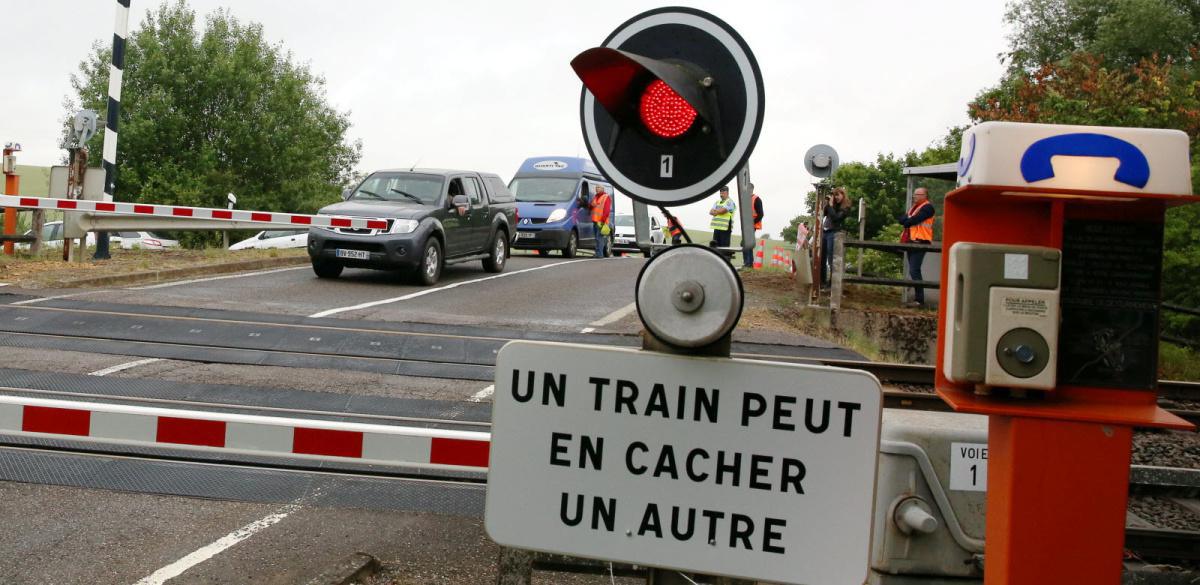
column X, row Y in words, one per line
column 40, row 299
column 429, row 291
column 614, row 316
column 207, row 552
column 479, row 396
column 239, row 275
column 124, row 366
column 5, row 283
column 587, row 330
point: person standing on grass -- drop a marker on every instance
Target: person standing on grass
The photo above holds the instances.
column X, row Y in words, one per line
column 918, row 229
column 722, row 219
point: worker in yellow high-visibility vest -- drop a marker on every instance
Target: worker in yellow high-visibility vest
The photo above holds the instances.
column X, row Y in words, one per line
column 722, row 219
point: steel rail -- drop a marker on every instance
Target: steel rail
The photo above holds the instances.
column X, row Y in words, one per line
column 1163, row 543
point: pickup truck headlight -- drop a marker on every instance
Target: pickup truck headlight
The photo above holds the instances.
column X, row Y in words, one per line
column 404, row 226
column 557, row 215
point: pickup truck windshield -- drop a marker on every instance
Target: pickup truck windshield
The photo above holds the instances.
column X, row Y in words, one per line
column 543, row 189
column 400, row 187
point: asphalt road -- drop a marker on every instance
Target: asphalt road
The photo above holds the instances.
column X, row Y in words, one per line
column 80, row 521
column 547, row 293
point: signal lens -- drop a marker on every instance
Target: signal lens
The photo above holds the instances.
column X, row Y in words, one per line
column 664, row 112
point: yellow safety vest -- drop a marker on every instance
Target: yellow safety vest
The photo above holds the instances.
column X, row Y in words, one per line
column 723, row 221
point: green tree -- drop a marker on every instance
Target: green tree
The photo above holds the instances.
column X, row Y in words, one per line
column 205, row 113
column 1113, row 63
column 1123, row 31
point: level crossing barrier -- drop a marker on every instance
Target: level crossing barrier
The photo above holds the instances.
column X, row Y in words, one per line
column 245, row 434
column 179, row 211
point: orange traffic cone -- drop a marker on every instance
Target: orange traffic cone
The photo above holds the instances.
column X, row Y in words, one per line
column 758, row 254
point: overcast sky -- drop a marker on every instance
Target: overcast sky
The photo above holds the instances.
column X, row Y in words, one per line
column 483, row 85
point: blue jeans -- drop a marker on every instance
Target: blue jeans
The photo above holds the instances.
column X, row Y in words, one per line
column 827, row 255
column 601, row 244
column 915, row 259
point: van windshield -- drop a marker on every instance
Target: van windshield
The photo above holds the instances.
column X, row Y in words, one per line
column 543, row 189
column 624, row 220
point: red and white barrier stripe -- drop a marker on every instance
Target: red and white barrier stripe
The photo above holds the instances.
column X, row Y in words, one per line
column 331, row 221
column 245, row 434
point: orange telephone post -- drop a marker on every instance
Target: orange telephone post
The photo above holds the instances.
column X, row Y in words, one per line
column 1049, row 325
column 12, row 185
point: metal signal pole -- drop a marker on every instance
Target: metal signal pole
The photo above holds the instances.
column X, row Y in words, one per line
column 115, row 72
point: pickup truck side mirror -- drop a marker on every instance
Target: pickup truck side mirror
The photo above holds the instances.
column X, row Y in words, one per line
column 460, row 201
column 346, row 193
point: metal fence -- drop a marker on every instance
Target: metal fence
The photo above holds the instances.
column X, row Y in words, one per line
column 838, row 277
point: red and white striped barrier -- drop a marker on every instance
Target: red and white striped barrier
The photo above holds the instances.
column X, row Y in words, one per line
column 758, row 254
column 143, row 209
column 245, row 434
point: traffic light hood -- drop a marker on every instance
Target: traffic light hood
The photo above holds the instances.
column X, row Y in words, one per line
column 618, row 78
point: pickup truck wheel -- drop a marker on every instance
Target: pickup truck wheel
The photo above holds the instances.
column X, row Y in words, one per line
column 430, row 269
column 572, row 246
column 499, row 254
column 327, row 269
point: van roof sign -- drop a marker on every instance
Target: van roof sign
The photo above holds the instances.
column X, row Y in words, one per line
column 550, row 165
column 565, row 165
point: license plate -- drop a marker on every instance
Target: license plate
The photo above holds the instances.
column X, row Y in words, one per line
column 526, row 235
column 355, row 254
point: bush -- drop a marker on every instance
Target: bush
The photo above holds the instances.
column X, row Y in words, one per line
column 884, row 264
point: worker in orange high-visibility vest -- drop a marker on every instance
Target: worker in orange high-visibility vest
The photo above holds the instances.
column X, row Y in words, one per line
column 757, row 206
column 601, row 216
column 918, row 229
column 675, row 230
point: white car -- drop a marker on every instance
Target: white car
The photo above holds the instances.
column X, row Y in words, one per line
column 52, row 237
column 274, row 239
column 140, row 240
column 624, row 238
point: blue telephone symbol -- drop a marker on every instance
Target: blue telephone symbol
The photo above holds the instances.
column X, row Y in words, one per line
column 1133, row 169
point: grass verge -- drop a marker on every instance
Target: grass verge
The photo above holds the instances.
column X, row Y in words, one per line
column 47, row 270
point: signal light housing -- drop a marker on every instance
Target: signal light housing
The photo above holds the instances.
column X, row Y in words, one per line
column 671, row 106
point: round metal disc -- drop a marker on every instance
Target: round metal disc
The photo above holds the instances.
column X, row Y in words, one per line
column 1023, row 352
column 689, row 296
column 821, row 161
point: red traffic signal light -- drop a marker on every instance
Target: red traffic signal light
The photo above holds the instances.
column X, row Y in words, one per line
column 680, row 104
column 664, row 112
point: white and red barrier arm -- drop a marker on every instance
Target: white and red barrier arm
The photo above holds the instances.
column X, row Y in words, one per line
column 146, row 209
column 246, row 434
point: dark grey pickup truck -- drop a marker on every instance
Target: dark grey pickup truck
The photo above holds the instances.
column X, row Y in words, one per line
column 435, row 217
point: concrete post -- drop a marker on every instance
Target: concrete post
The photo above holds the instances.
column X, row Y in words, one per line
column 515, row 567
column 39, row 221
column 838, row 270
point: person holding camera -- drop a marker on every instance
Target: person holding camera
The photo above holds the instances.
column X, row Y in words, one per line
column 837, row 207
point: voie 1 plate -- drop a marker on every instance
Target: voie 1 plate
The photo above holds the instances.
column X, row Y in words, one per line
column 354, row 254
column 749, row 469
